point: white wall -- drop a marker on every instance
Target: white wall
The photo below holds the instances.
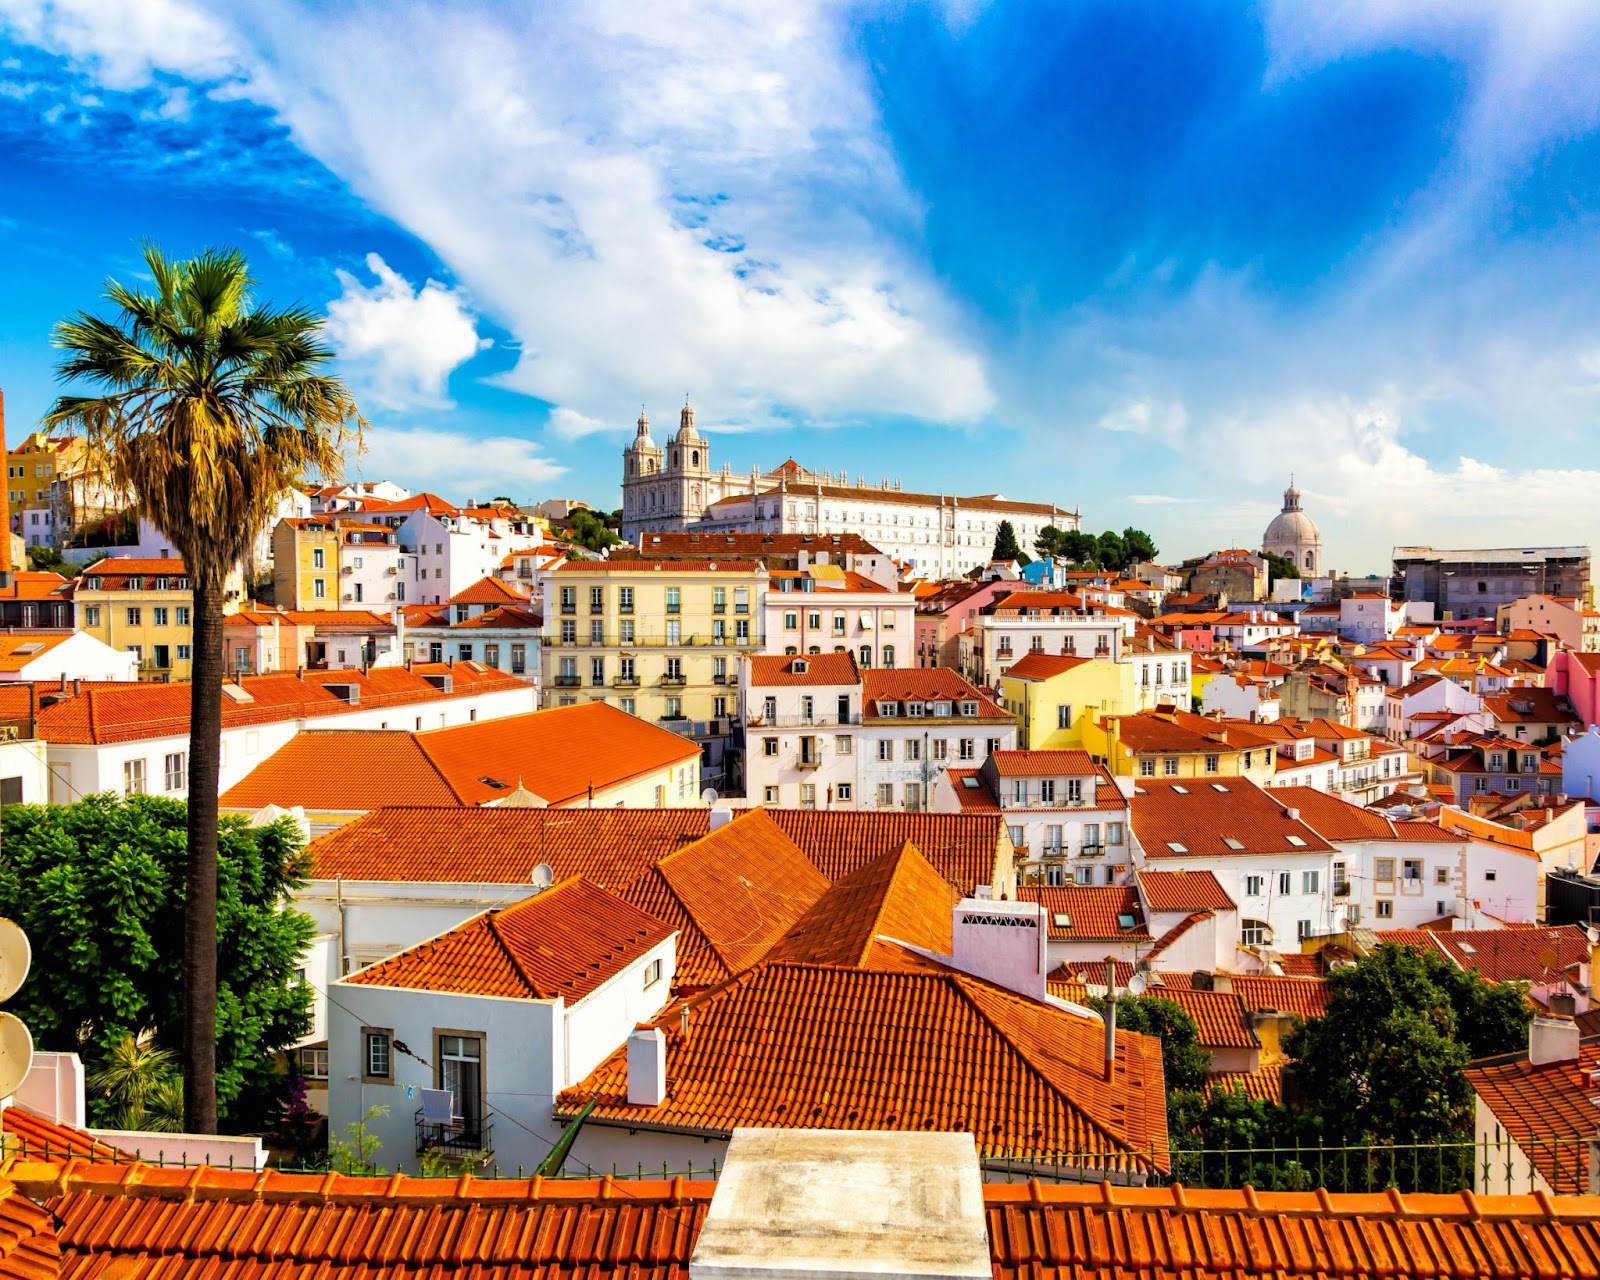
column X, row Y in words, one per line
column 79, row 657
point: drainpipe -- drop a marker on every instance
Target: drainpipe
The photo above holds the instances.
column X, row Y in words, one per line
column 338, row 901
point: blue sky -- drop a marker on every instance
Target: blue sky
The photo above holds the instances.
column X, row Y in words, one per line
column 1142, row 257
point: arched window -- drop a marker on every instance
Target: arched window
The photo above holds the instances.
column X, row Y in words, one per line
column 1309, row 557
column 695, row 457
column 888, row 655
column 866, row 655
column 1254, row 933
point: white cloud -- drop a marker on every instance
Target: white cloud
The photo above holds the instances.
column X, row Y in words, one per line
column 457, row 465
column 123, row 43
column 571, row 424
column 652, row 198
column 400, row 344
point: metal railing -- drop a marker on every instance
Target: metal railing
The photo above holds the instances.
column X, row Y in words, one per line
column 693, row 640
column 761, row 720
column 461, row 1137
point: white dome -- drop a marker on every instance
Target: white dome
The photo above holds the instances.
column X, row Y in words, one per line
column 1291, row 526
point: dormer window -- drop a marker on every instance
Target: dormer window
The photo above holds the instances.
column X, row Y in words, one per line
column 969, row 708
column 941, row 708
column 135, row 584
column 916, row 710
column 799, row 666
column 886, row 708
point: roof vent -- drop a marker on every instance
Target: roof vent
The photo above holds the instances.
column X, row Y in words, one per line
column 443, row 681
column 350, row 693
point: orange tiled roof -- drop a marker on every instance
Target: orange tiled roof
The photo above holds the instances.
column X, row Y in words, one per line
column 900, row 896
column 558, row 754
column 1516, row 955
column 19, row 648
column 565, row 942
column 129, row 712
column 489, row 591
column 1041, row 666
column 1184, row 891
column 29, row 1249
column 1333, row 818
column 26, row 584
column 1264, row 1084
column 923, row 684
column 731, row 896
column 1303, row 997
column 964, row 848
column 1042, row 764
column 769, row 671
column 1538, row 1106
column 612, row 847
column 1199, row 817
column 1082, row 913
column 763, row 1049
column 36, row 1138
column 642, row 566
column 753, row 544
column 112, row 568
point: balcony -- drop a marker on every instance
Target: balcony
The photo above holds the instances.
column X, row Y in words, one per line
column 625, row 682
column 810, row 762
column 1092, row 851
column 1341, row 889
column 800, row 722
column 462, row 1138
column 670, row 681
column 719, row 679
column 568, row 681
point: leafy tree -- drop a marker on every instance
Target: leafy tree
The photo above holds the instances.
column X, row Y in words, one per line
column 1279, row 566
column 1185, row 1063
column 589, row 530
column 1384, row 1064
column 1110, row 551
column 1048, row 543
column 205, row 407
column 99, row 888
column 1080, row 548
column 48, row 560
column 1006, row 546
column 1138, row 547
column 135, row 1087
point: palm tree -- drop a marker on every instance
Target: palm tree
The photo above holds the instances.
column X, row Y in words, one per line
column 137, row 1081
column 203, row 408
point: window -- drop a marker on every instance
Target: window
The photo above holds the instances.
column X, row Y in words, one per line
column 625, row 599
column 1383, row 869
column 674, row 709
column 1064, row 716
column 1310, row 881
column 1047, row 790
column 159, row 616
column 91, row 616
column 674, row 631
column 913, row 749
column 630, row 705
column 1385, row 908
column 1091, row 836
column 597, row 599
column 1411, row 870
column 1113, row 833
column 1254, row 933
column 913, row 796
column 133, row 778
column 652, row 974
column 842, row 791
column 838, row 624
column 791, row 621
column 1213, row 764
column 941, row 749
column 967, row 749
column 461, row 1075
column 1441, row 875
column 886, row 795
column 1302, row 929
column 1169, row 766
column 1253, row 886
column 886, row 749
column 314, row 1063
column 1489, row 875
column 377, row 1061
column 1147, row 768
column 177, row 771
column 769, row 746
column 135, row 617
column 597, row 671
column 1285, row 882
column 569, row 599
column 319, row 589
column 318, row 558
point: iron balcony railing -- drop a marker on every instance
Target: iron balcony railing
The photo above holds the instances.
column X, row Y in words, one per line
column 759, row 720
column 463, row 1136
column 693, row 640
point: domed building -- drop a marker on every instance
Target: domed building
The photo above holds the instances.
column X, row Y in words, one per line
column 1294, row 536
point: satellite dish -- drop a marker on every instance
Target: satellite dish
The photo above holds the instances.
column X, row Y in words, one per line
column 544, row 875
column 16, row 1053
column 16, row 955
column 1137, row 984
column 709, row 795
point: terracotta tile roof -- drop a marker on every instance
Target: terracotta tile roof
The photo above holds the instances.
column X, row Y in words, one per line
column 1082, row 913
column 29, row 1249
column 130, row 712
column 1264, row 1084
column 1184, row 891
column 565, row 942
column 900, row 896
column 29, row 585
column 557, row 754
column 1041, row 666
column 754, row 544
column 964, row 848
column 1333, row 818
column 1303, row 997
column 923, row 684
column 1511, row 954
column 1539, row 1106
column 1195, row 818
column 732, row 896
column 115, row 569
column 1042, row 764
column 1296, row 965
column 19, row 648
column 772, row 671
column 764, row 1050
column 36, row 1138
column 612, row 847
column 1529, row 706
column 972, row 791
column 1149, row 732
column 502, row 616
column 646, row 566
column 1059, row 1232
column 366, row 619
column 489, row 591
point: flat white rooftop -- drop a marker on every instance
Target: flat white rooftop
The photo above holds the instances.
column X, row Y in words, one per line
column 825, row 1204
column 1491, row 555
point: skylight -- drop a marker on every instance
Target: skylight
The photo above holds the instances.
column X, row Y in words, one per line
column 1176, row 847
column 1124, row 920
column 1182, row 791
column 1217, row 786
column 237, row 693
column 1469, row 948
column 1061, row 920
column 1297, row 842
column 495, row 783
column 1232, row 843
column 971, row 784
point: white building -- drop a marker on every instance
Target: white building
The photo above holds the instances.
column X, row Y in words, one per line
column 826, row 608
column 675, row 489
column 1067, row 818
column 464, row 1041
column 491, row 622
column 40, row 656
column 1042, row 622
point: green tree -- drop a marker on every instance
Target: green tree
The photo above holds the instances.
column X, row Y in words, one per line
column 1110, row 551
column 1184, row 1062
column 1384, row 1064
column 134, row 1087
column 1279, row 566
column 589, row 530
column 99, row 888
column 48, row 560
column 1080, row 548
column 205, row 407
column 1006, row 546
column 1137, row 546
column 1049, row 542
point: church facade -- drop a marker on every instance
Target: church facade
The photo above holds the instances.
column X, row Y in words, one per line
column 674, row 489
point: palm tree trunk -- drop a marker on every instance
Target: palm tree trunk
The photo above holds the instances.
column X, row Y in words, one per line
column 200, row 895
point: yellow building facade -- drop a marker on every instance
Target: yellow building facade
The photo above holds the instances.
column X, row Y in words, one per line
column 661, row 639
column 1150, row 746
column 305, row 564
column 36, row 463
column 1053, row 697
column 145, row 607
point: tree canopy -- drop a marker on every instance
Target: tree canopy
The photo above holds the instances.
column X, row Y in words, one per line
column 1279, row 566
column 98, row 886
column 1006, row 546
column 591, row 530
column 1111, row 551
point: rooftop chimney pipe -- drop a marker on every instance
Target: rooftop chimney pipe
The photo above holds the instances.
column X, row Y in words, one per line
column 1111, row 1014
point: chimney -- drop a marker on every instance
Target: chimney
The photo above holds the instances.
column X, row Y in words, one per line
column 1292, row 814
column 1201, row 980
column 647, row 1067
column 721, row 816
column 1222, row 982
column 1562, row 1004
column 1552, row 1040
column 1002, row 942
column 1111, row 1014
